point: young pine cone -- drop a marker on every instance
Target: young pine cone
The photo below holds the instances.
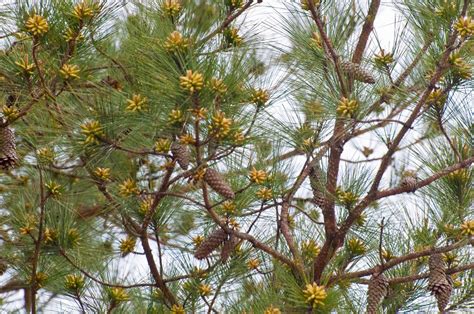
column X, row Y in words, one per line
column 181, row 154
column 439, row 283
column 357, row 72
column 8, row 156
column 215, row 239
column 218, row 184
column 378, row 289
column 228, row 247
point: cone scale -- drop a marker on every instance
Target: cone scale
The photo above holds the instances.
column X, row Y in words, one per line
column 8, row 156
column 378, row 289
column 218, row 184
column 215, row 239
column 181, row 154
column 439, row 283
column 357, row 72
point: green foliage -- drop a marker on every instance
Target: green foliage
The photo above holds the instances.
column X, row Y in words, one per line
column 98, row 215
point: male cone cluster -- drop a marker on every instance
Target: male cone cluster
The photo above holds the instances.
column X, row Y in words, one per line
column 357, row 72
column 217, row 183
column 8, row 156
column 439, row 283
column 378, row 289
column 181, row 154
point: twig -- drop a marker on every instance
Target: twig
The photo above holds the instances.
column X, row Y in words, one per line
column 381, row 241
column 403, row 76
column 260, row 211
column 121, row 67
column 227, row 21
column 443, row 130
column 209, row 305
column 43, row 198
column 329, row 46
column 13, row 285
column 38, row 67
column 78, row 297
column 107, row 284
column 158, row 244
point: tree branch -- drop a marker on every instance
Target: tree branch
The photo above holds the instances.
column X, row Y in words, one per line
column 366, row 30
column 398, row 260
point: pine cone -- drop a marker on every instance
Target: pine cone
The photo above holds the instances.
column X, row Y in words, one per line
column 316, row 178
column 357, row 72
column 228, row 247
column 409, row 182
column 181, row 154
column 317, row 185
column 439, row 283
column 218, row 184
column 85, row 212
column 319, row 199
column 378, row 289
column 215, row 239
column 8, row 156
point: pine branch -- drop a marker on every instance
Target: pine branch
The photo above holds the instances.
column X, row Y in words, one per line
column 372, row 194
column 403, row 76
column 402, row 259
column 330, row 49
column 13, row 285
column 43, row 198
column 410, row 278
column 398, row 190
column 62, row 252
column 441, row 66
column 366, row 30
column 230, row 18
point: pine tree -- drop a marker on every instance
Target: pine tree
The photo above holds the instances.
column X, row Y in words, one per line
column 182, row 156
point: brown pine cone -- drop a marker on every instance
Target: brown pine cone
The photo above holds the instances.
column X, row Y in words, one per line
column 378, row 289
column 319, row 199
column 112, row 83
column 181, row 154
column 316, row 178
column 3, row 266
column 229, row 247
column 409, row 182
column 317, row 185
column 443, row 297
column 218, row 184
column 8, row 156
column 439, row 283
column 357, row 72
column 85, row 212
column 213, row 241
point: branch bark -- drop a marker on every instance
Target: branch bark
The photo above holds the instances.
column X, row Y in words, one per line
column 366, row 30
column 398, row 260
